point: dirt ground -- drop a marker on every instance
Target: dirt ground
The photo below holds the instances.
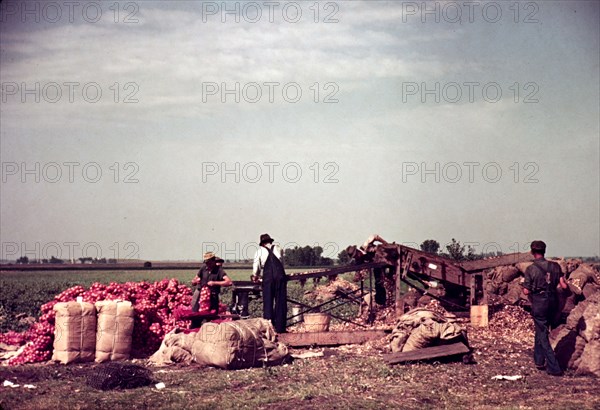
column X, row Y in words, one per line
column 351, row 376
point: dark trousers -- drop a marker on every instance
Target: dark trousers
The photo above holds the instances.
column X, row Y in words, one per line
column 380, row 296
column 542, row 312
column 275, row 302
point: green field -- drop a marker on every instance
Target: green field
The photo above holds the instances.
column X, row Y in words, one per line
column 343, row 378
column 24, row 292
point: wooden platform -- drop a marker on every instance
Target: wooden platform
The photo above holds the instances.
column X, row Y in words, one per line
column 426, row 353
column 330, row 338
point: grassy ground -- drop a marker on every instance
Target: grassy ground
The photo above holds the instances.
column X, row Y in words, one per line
column 342, row 379
column 345, row 377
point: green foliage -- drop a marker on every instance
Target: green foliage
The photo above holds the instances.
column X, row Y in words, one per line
column 430, row 246
column 344, row 258
column 22, row 299
column 306, row 256
column 456, row 250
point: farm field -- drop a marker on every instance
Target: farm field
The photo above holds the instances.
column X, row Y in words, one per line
column 23, row 292
column 352, row 376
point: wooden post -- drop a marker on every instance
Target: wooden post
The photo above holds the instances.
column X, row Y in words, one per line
column 399, row 304
column 372, row 296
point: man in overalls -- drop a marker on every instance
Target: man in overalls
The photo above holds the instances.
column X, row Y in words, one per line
column 542, row 279
column 268, row 261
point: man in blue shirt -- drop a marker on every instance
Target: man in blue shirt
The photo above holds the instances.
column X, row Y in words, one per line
column 542, row 280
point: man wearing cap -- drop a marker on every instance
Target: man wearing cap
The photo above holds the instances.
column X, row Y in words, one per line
column 268, row 262
column 210, row 277
column 542, row 280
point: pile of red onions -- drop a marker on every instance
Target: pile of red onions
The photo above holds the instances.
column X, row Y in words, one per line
column 154, row 305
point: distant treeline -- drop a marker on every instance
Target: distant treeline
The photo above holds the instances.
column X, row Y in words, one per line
column 25, row 260
column 306, row 256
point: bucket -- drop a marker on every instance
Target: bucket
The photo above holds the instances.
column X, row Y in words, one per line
column 316, row 322
column 296, row 315
column 479, row 315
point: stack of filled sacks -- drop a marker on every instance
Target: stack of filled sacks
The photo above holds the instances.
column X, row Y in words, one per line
column 85, row 332
column 577, row 343
column 584, row 280
column 421, row 328
column 114, row 330
column 74, row 332
column 505, row 282
column 229, row 345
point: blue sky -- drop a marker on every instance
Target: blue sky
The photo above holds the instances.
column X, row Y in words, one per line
column 414, row 95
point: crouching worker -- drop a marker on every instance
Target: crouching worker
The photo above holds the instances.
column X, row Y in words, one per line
column 208, row 282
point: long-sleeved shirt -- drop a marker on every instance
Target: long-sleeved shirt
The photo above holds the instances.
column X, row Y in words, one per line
column 260, row 257
column 542, row 275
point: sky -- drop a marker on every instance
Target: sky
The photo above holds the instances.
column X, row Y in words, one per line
column 160, row 130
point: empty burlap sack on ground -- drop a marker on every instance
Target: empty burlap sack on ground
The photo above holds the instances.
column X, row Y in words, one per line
column 113, row 330
column 176, row 347
column 422, row 328
column 74, row 332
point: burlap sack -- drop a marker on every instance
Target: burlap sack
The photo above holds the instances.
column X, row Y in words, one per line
column 74, row 332
column 430, row 333
column 495, row 283
column 416, row 316
column 590, row 318
column 572, row 264
column 589, row 289
column 494, row 275
column 568, row 346
column 229, row 345
column 238, row 345
column 171, row 354
column 114, row 330
column 574, row 317
column 399, row 338
column 514, row 294
column 509, row 273
column 522, row 266
column 420, row 337
column 175, row 348
column 410, row 321
column 590, row 358
column 582, row 275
